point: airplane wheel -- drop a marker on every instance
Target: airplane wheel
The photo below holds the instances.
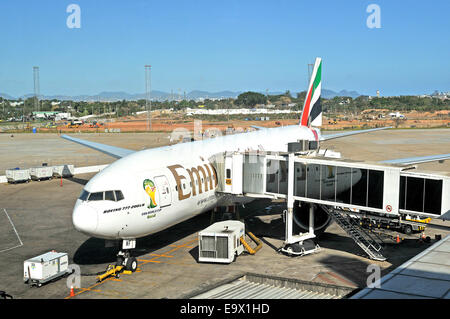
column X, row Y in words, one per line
column 131, row 264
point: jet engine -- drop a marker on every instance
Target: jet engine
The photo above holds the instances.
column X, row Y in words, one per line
column 301, row 218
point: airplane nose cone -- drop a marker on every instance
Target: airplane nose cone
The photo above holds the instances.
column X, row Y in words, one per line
column 84, row 219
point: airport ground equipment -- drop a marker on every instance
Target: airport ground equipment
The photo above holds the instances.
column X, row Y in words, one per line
column 16, row 175
column 46, row 267
column 67, row 170
column 221, row 242
column 326, row 186
column 112, row 270
column 251, row 250
column 41, row 172
column 406, row 226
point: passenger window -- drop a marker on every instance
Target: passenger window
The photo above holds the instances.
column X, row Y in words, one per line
column 96, row 196
column 119, row 196
column 109, row 195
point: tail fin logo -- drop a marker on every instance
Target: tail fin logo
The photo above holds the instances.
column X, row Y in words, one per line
column 312, row 109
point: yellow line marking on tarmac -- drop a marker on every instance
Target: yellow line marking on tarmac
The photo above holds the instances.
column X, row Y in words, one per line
column 157, row 255
column 148, row 260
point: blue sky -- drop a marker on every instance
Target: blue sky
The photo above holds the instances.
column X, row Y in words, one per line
column 224, row 45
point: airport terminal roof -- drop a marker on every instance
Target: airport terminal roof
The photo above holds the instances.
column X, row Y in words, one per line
column 427, row 275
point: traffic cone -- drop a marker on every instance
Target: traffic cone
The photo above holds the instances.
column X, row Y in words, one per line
column 423, row 236
column 61, row 182
column 398, row 239
column 72, row 294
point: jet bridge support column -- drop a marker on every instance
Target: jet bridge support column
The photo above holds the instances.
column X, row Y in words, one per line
column 290, row 202
column 302, row 244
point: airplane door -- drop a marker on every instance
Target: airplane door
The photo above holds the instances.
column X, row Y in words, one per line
column 162, row 183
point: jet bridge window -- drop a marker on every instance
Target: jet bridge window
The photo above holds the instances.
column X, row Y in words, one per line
column 355, row 186
column 276, row 178
column 299, row 179
column 420, row 194
column 313, row 181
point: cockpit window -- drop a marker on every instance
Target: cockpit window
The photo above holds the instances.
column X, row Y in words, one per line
column 114, row 196
column 119, row 195
column 84, row 195
column 109, row 195
column 96, row 196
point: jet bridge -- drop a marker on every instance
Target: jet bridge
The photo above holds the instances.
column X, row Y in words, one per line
column 342, row 188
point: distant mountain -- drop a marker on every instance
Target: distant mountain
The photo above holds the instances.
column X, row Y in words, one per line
column 6, row 96
column 161, row 96
column 329, row 94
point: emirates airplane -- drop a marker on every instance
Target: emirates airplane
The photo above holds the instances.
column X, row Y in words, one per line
column 144, row 192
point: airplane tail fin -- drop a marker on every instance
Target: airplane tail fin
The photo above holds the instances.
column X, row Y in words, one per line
column 312, row 109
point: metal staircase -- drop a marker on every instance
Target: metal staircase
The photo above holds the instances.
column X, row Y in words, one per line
column 371, row 244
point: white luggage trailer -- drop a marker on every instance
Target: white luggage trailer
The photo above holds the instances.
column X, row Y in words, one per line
column 41, row 172
column 46, row 267
column 17, row 175
column 63, row 170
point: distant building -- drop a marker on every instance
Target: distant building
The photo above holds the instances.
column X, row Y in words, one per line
column 396, row 115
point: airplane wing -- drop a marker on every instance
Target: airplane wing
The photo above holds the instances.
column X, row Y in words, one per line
column 258, row 127
column 338, row 135
column 418, row 159
column 113, row 151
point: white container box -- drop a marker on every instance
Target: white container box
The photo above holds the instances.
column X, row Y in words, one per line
column 220, row 242
column 63, row 170
column 41, row 172
column 46, row 267
column 17, row 175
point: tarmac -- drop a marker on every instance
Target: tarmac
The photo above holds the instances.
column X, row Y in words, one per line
column 37, row 217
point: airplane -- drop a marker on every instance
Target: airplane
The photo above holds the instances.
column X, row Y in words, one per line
column 144, row 192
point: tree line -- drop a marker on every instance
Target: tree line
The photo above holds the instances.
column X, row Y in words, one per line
column 250, row 99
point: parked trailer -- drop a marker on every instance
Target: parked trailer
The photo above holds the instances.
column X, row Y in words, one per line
column 41, row 172
column 220, row 242
column 406, row 226
column 46, row 267
column 63, row 170
column 16, row 175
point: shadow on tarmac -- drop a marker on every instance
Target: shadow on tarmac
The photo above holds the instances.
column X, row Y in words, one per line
column 93, row 250
column 80, row 181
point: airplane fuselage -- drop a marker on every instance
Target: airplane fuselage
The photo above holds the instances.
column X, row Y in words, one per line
column 164, row 186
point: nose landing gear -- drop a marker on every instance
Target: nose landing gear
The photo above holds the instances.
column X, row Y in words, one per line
column 124, row 257
column 125, row 262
